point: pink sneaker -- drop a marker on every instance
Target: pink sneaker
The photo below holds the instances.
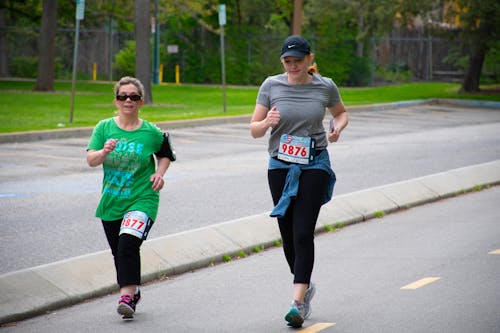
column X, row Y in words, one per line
column 126, row 306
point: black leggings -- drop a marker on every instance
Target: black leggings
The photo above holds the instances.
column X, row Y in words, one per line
column 298, row 225
column 126, row 254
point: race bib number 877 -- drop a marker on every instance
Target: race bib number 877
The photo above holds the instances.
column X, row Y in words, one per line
column 296, row 149
column 136, row 223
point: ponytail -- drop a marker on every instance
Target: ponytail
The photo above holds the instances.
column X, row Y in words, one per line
column 313, row 69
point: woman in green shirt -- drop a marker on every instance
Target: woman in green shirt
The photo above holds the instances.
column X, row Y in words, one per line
column 125, row 145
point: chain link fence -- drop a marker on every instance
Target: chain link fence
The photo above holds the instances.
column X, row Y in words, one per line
column 402, row 56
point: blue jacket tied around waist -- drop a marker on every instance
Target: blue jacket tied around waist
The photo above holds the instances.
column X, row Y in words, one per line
column 321, row 161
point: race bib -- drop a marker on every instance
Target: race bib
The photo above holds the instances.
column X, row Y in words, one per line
column 296, row 149
column 136, row 223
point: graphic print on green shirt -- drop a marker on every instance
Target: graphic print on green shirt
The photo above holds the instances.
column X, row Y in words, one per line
column 127, row 169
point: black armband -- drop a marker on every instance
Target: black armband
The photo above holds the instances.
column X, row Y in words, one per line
column 167, row 149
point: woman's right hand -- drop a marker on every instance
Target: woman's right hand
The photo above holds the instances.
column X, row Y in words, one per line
column 263, row 119
column 109, row 146
column 273, row 117
column 96, row 157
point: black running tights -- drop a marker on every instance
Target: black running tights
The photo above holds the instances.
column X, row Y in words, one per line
column 126, row 254
column 297, row 227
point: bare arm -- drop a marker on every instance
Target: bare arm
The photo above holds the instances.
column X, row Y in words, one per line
column 157, row 177
column 262, row 120
column 96, row 157
column 341, row 120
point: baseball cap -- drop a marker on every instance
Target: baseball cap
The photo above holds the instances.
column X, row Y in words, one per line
column 295, row 46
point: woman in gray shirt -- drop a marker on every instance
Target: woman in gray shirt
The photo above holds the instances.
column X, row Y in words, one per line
column 300, row 178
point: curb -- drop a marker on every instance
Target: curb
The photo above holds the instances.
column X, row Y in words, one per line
column 34, row 291
column 81, row 132
column 30, row 136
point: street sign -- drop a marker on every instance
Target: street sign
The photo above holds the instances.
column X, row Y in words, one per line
column 222, row 15
column 80, row 9
column 173, row 48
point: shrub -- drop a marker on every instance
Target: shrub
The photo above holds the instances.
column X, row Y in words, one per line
column 125, row 60
column 360, row 72
column 24, row 67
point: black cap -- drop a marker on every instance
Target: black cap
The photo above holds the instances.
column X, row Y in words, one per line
column 295, row 46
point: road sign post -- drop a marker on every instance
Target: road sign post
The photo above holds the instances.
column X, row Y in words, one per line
column 80, row 11
column 222, row 22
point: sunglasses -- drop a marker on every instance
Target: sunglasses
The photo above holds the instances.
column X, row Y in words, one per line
column 123, row 97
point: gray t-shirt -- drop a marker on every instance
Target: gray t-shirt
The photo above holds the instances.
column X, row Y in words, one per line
column 301, row 107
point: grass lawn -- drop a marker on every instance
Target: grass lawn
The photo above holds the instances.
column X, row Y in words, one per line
column 22, row 109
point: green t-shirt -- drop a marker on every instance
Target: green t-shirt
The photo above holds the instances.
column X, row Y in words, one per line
column 126, row 184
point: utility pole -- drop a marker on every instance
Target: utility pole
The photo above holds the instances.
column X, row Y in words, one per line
column 297, row 17
column 156, row 48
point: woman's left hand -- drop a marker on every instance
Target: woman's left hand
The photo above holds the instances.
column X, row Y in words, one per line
column 341, row 119
column 333, row 136
column 157, row 181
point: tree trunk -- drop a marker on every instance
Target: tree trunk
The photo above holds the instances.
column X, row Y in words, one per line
column 473, row 73
column 297, row 17
column 4, row 66
column 143, row 48
column 361, row 25
column 47, row 47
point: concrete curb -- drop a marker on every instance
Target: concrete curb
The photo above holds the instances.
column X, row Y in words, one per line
column 30, row 136
column 33, row 291
column 83, row 132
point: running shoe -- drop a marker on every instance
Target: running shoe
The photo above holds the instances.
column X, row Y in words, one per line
column 126, row 306
column 295, row 317
column 311, row 290
column 137, row 297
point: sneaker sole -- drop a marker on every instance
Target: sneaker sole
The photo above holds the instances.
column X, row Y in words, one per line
column 126, row 311
column 294, row 319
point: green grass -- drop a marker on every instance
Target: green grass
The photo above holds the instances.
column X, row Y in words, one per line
column 22, row 109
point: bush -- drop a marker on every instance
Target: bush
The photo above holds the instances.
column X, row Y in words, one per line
column 124, row 63
column 393, row 73
column 360, row 72
column 27, row 67
column 491, row 68
column 24, row 67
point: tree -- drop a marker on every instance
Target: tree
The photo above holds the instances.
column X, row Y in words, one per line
column 4, row 68
column 479, row 22
column 46, row 47
column 363, row 19
column 143, row 49
column 297, row 17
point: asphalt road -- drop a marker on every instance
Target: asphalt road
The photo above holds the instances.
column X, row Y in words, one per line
column 48, row 194
column 448, row 251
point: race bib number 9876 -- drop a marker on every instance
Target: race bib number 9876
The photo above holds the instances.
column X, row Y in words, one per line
column 296, row 149
column 136, row 223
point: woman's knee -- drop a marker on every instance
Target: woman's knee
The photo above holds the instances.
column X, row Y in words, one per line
column 129, row 244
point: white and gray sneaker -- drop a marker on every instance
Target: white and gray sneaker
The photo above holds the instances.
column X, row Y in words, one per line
column 311, row 290
column 295, row 317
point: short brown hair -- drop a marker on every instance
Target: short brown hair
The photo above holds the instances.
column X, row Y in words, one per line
column 129, row 80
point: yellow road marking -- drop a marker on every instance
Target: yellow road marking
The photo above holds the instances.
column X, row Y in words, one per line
column 420, row 283
column 316, row 327
column 494, row 252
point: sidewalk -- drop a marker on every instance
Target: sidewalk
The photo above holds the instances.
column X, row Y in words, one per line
column 33, row 291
